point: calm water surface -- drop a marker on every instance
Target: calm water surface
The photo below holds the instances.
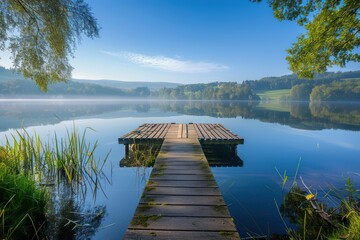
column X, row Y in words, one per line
column 324, row 138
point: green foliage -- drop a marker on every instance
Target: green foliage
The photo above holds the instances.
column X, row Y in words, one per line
column 337, row 91
column 274, row 95
column 70, row 88
column 41, row 35
column 315, row 220
column 211, row 91
column 301, row 91
column 141, row 155
column 288, row 81
column 332, row 33
column 22, row 206
column 70, row 159
column 27, row 164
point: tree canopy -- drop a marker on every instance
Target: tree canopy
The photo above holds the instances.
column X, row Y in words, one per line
column 332, row 33
column 42, row 35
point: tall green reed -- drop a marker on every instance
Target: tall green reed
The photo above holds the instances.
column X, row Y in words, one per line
column 29, row 165
column 71, row 159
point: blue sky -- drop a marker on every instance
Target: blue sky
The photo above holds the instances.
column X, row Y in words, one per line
column 186, row 41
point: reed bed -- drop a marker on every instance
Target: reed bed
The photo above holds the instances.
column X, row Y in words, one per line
column 30, row 167
column 70, row 159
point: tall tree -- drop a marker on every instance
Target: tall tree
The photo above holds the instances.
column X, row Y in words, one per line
column 332, row 33
column 42, row 35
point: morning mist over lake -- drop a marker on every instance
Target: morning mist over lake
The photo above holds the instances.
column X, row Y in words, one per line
column 178, row 119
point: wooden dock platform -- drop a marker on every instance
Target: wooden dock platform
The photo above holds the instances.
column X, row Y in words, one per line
column 207, row 133
column 181, row 199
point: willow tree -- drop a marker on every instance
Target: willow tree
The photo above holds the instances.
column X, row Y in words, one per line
column 332, row 34
column 42, row 34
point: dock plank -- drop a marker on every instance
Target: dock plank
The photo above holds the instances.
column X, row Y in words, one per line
column 186, row 191
column 183, row 211
column 184, row 183
column 188, row 224
column 181, row 199
column 183, row 177
column 179, row 235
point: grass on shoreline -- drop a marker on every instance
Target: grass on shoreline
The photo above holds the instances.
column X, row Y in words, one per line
column 30, row 168
column 274, row 95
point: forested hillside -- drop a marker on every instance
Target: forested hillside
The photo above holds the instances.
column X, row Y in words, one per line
column 210, row 91
column 129, row 85
column 331, row 86
column 288, row 81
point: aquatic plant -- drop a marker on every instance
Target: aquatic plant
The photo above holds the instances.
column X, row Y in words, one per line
column 332, row 214
column 22, row 206
column 70, row 159
column 141, row 155
column 29, row 168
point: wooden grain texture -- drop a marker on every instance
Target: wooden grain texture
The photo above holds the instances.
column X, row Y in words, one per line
column 188, row 224
column 183, row 210
column 179, row 235
column 181, row 199
column 182, row 183
column 183, row 191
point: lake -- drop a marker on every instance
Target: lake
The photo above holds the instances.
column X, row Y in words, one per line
column 323, row 139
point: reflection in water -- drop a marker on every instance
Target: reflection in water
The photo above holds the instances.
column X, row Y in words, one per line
column 68, row 218
column 303, row 115
column 327, row 156
column 140, row 154
column 145, row 154
column 345, row 115
column 222, row 155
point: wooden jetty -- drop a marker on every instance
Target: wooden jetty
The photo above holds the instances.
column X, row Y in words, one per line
column 181, row 199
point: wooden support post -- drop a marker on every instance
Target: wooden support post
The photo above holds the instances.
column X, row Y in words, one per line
column 126, row 151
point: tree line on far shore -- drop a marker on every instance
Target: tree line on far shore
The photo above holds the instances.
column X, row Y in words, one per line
column 331, row 86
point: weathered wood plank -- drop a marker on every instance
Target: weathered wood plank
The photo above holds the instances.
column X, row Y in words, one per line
column 181, row 196
column 181, row 172
column 154, row 131
column 178, row 235
column 183, row 211
column 198, row 132
column 134, row 132
column 207, row 128
column 204, row 132
column 185, row 131
column 183, row 200
column 179, row 183
column 186, row 167
column 179, row 133
column 188, row 191
column 165, row 163
column 187, row 224
column 162, row 132
column 183, row 177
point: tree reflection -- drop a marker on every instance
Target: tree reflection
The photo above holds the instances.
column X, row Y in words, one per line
column 304, row 115
column 141, row 155
column 68, row 218
column 334, row 214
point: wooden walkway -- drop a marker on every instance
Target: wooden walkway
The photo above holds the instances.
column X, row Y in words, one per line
column 181, row 199
column 207, row 133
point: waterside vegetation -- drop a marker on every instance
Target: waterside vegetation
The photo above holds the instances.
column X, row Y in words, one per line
column 330, row 86
column 326, row 214
column 33, row 174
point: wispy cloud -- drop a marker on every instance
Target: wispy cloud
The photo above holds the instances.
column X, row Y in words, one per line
column 169, row 64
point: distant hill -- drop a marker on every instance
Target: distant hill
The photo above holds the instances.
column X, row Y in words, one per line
column 16, row 87
column 13, row 84
column 129, row 85
column 6, row 74
column 288, row 81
